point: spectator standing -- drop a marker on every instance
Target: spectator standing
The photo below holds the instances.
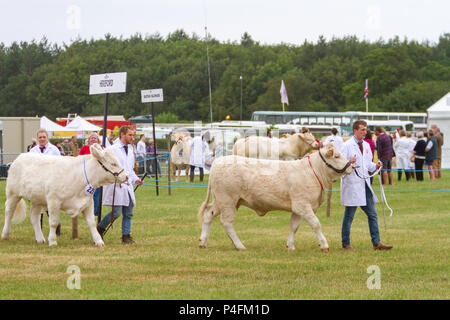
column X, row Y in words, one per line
column 336, row 139
column 431, row 153
column 140, row 153
column 32, row 145
column 369, row 140
column 74, row 146
column 46, row 148
column 151, row 150
column 66, row 147
column 199, row 149
column 412, row 144
column 385, row 153
column 419, row 155
column 440, row 141
column 60, row 148
column 401, row 146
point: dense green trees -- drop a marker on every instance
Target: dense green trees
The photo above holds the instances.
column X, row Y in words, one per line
column 38, row 78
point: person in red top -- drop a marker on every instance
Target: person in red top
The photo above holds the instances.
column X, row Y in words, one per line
column 369, row 140
column 86, row 149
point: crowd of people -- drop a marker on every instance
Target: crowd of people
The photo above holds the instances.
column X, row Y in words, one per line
column 413, row 155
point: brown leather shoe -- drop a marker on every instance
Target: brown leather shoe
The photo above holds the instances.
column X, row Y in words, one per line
column 381, row 246
column 127, row 239
column 348, row 248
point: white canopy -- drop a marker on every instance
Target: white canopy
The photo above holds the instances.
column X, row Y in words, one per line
column 439, row 114
column 51, row 126
column 79, row 124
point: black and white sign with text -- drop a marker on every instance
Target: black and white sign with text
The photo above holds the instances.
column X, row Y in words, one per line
column 153, row 95
column 108, row 83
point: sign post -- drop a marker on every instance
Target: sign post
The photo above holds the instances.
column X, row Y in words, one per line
column 153, row 95
column 106, row 83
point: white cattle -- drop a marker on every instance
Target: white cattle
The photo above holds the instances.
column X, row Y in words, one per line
column 58, row 183
column 180, row 155
column 267, row 185
column 292, row 147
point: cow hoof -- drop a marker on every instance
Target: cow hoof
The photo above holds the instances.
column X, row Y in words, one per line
column 100, row 244
column 202, row 246
column 40, row 241
column 241, row 248
column 325, row 250
column 291, row 249
column 5, row 238
column 52, row 243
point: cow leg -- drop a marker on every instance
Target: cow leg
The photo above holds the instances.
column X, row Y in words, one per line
column 208, row 218
column 227, row 220
column 53, row 218
column 35, row 218
column 312, row 220
column 10, row 206
column 89, row 217
column 295, row 223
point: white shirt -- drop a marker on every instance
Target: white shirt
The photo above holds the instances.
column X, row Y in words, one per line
column 141, row 149
column 125, row 190
column 49, row 150
column 353, row 191
column 199, row 151
column 337, row 141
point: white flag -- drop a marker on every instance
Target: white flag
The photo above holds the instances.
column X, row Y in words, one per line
column 283, row 92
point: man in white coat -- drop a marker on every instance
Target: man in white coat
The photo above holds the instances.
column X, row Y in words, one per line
column 124, row 200
column 355, row 187
column 45, row 147
column 199, row 151
column 337, row 140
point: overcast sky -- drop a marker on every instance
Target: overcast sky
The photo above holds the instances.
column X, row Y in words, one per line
column 269, row 22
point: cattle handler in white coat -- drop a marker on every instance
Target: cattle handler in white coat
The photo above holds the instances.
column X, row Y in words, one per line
column 355, row 187
column 123, row 194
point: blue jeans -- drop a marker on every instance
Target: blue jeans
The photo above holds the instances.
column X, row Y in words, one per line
column 371, row 213
column 96, row 201
column 127, row 213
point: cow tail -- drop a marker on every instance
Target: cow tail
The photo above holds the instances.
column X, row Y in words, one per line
column 201, row 210
column 20, row 213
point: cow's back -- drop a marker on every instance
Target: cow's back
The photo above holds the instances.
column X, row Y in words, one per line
column 33, row 175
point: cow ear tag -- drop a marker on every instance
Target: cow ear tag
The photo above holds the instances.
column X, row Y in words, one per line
column 330, row 153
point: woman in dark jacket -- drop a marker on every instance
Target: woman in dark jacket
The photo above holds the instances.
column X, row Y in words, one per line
column 419, row 155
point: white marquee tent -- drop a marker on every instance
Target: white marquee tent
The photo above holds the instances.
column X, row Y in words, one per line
column 439, row 114
column 51, row 126
column 79, row 124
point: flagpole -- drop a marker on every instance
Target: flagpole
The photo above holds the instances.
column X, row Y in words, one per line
column 283, row 106
column 367, row 99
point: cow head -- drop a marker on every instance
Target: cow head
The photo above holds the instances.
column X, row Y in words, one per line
column 309, row 139
column 113, row 171
column 335, row 160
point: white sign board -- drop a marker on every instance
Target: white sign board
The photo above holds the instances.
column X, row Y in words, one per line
column 154, row 95
column 108, row 83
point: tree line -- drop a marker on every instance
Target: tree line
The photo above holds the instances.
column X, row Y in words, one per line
column 40, row 78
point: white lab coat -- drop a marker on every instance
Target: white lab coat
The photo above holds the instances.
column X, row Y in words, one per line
column 50, row 150
column 353, row 191
column 402, row 146
column 337, row 141
column 124, row 191
column 199, row 151
column 140, row 150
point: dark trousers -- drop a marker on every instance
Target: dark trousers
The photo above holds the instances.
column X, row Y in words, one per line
column 419, row 167
column 400, row 175
column 192, row 173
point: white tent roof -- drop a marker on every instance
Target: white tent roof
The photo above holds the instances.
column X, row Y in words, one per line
column 79, row 124
column 440, row 108
column 51, row 126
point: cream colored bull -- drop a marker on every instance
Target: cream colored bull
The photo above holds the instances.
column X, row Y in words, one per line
column 58, row 183
column 292, row 147
column 180, row 155
column 267, row 185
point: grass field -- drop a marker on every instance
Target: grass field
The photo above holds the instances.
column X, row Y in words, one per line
column 166, row 262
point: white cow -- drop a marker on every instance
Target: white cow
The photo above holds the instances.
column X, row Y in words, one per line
column 292, row 147
column 58, row 183
column 180, row 155
column 267, row 185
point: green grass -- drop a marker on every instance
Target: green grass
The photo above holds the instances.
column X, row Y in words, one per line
column 166, row 262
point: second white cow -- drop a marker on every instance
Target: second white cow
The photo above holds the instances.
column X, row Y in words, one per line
column 267, row 185
column 59, row 183
column 292, row 147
